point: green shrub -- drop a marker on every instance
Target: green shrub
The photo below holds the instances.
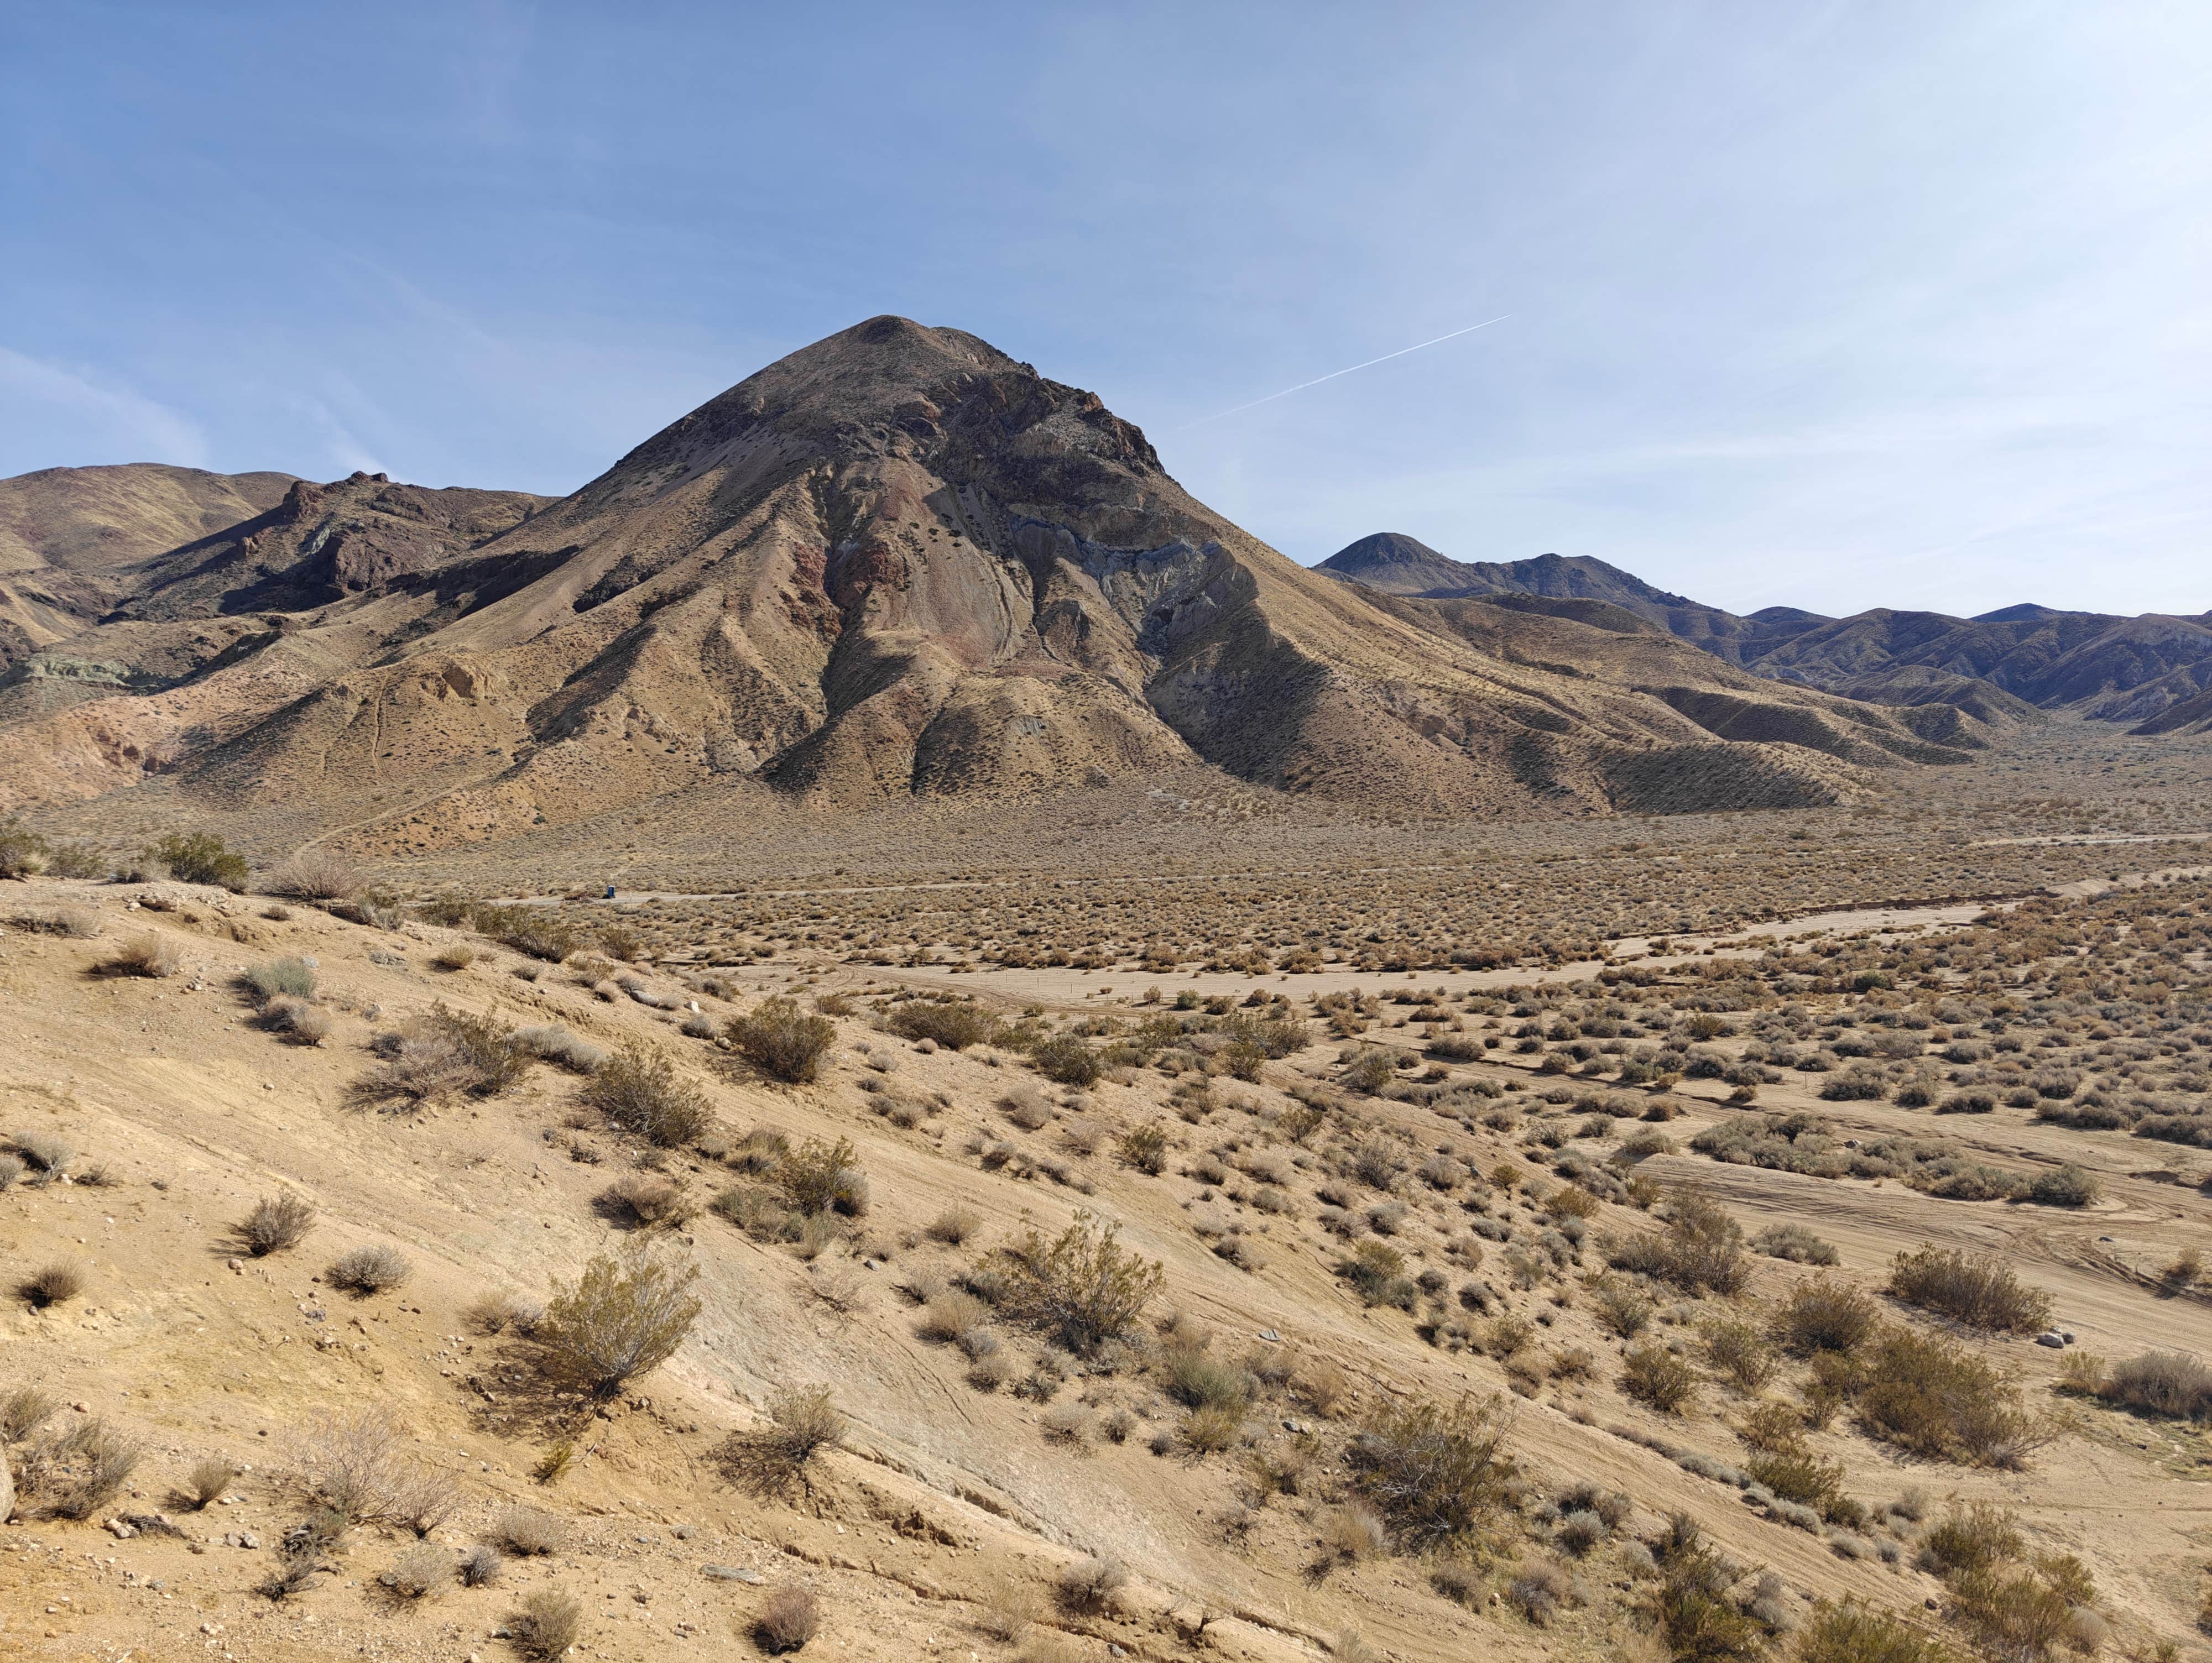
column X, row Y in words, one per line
column 280, row 976
column 201, row 857
column 2068, row 1186
column 1979, row 1292
column 1083, row 1288
column 1066, row 1060
column 1822, row 1315
column 1199, row 1381
column 1850, row 1633
column 1935, row 1398
column 1691, row 1604
column 1144, row 1148
column 1655, row 1376
column 820, row 1178
column 1435, row 1471
column 1794, row 1242
column 778, row 1038
column 1371, row 1268
column 1968, row 1538
column 623, row 1318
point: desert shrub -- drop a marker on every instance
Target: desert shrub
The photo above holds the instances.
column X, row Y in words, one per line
column 1089, row 1586
column 1083, row 1287
column 1969, row 1539
column 366, row 1270
column 1623, row 1307
column 1937, row 1398
column 2161, row 1383
column 1796, row 1474
column 73, row 923
column 1199, row 1381
column 145, row 955
column 313, row 875
column 277, row 1222
column 644, row 1198
column 1352, row 1532
column 640, row 1092
column 820, row 1178
column 12, row 1168
column 201, row 857
column 2068, row 1186
column 2025, row 1615
column 555, row 1044
column 1979, row 1292
column 1540, row 1589
column 1691, row 1603
column 1794, row 1242
column 787, row 1620
column 49, row 1152
column 352, row 1467
column 1739, row 1352
column 419, row 1571
column 1700, row 1251
column 778, row 1038
column 529, row 1533
column 459, row 955
column 767, row 1459
column 480, row 1566
column 1210, row 1429
column 23, row 852
column 1145, row 1147
column 496, row 1314
column 1435, row 1471
column 547, row 1624
column 447, row 1053
column 622, row 1318
column 1066, row 1060
column 1850, row 1633
column 205, row 1482
column 1373, row 1268
column 536, row 933
column 953, row 1227
column 1652, row 1374
column 959, row 1026
column 1823, row 1315
column 73, row 1472
column 23, row 1411
column 54, row 1284
column 297, row 1020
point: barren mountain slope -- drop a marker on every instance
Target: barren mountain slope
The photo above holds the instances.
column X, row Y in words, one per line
column 66, row 533
column 896, row 563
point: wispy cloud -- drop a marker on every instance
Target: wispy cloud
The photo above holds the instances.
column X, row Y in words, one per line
column 119, row 420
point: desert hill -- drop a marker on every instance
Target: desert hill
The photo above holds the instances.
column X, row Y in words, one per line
column 898, row 564
column 2109, row 668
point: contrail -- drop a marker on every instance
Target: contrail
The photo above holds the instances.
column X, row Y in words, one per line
column 1334, row 373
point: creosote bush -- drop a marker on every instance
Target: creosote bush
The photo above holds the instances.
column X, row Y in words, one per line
column 1700, row 1251
column 639, row 1092
column 778, row 1038
column 769, row 1458
column 1978, row 1292
column 955, row 1025
column 623, row 1317
column 200, row 858
column 1434, row 1470
column 1083, row 1287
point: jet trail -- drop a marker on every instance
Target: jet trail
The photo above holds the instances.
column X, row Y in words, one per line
column 1334, row 373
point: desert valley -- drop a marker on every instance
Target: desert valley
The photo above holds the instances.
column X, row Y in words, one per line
column 879, row 1037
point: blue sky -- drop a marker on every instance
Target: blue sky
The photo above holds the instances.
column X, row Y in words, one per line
column 1824, row 305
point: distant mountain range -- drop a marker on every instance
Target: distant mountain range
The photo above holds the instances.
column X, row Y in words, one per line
column 2152, row 672
column 898, row 564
